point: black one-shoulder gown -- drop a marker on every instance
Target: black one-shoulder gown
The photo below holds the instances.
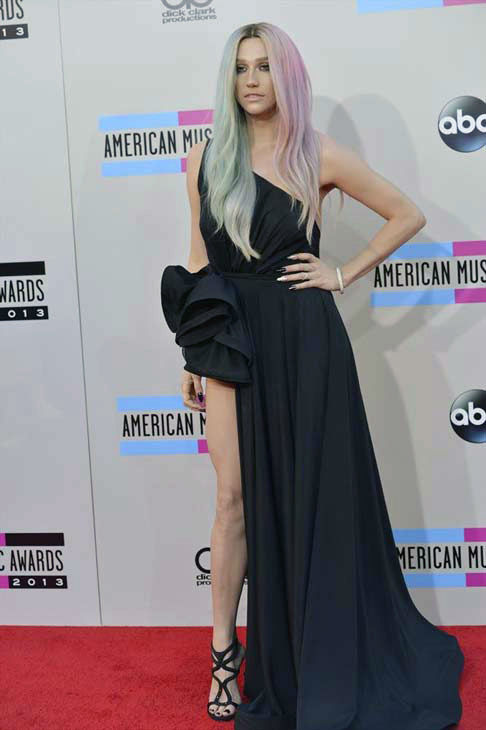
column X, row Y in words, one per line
column 334, row 640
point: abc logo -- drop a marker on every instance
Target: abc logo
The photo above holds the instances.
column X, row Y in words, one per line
column 468, row 416
column 462, row 124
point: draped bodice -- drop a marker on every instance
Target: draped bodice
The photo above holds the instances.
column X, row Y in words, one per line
column 274, row 232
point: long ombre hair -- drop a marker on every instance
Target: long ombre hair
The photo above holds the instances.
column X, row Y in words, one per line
column 228, row 175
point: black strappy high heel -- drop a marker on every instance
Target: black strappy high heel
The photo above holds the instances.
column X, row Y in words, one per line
column 234, row 648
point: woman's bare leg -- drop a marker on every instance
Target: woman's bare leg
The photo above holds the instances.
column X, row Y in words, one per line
column 228, row 541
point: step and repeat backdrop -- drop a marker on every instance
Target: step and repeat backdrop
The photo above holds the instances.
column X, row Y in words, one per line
column 107, row 488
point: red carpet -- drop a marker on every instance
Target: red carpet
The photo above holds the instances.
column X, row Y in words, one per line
column 144, row 678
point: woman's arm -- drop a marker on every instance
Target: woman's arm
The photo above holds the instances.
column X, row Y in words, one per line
column 198, row 255
column 191, row 383
column 341, row 166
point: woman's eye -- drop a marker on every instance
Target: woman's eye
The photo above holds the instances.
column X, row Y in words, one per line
column 262, row 65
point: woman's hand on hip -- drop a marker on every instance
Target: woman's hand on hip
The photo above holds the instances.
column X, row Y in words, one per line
column 309, row 271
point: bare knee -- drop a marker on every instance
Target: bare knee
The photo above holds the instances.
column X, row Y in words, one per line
column 229, row 504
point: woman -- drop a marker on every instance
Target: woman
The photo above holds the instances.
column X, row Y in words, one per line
column 333, row 637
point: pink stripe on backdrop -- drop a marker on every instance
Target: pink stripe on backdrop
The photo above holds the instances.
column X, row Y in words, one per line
column 2, row 539
column 475, row 534
column 202, row 446
column 196, row 116
column 468, row 248
column 470, row 296
column 463, row 2
column 475, row 580
column 3, row 581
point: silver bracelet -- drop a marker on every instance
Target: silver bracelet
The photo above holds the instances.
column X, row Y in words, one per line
column 340, row 279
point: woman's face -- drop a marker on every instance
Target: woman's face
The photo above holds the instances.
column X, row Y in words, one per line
column 253, row 77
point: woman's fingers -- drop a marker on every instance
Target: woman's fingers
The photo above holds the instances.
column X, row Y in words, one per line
column 189, row 396
column 310, row 271
column 199, row 389
column 191, row 384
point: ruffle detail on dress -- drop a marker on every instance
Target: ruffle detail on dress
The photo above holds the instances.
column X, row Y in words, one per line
column 203, row 310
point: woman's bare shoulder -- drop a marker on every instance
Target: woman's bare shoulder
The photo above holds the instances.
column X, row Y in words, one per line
column 338, row 161
column 329, row 150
